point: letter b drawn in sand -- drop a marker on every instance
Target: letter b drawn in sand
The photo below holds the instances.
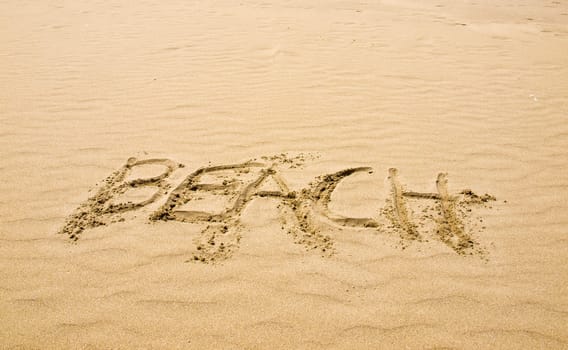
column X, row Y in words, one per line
column 100, row 209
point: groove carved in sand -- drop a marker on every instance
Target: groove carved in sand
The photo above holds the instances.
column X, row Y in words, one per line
column 400, row 214
column 304, row 212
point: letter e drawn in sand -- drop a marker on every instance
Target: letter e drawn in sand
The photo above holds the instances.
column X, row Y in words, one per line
column 222, row 235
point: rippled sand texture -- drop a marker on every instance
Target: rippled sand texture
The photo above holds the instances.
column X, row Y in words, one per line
column 476, row 89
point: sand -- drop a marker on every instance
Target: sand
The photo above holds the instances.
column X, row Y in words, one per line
column 297, row 174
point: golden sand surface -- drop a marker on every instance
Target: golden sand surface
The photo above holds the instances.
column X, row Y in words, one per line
column 284, row 175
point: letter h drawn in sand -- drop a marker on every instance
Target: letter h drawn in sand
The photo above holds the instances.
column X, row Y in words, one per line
column 450, row 228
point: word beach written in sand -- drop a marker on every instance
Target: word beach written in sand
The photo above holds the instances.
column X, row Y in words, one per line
column 412, row 216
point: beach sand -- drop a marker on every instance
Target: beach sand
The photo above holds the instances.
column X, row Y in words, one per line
column 397, row 179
